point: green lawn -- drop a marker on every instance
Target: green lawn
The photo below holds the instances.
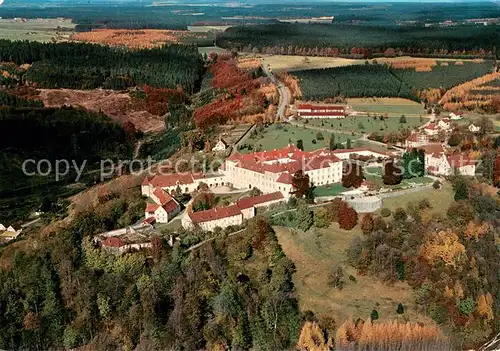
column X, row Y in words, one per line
column 329, row 190
column 35, row 29
column 365, row 124
column 278, row 136
column 440, row 199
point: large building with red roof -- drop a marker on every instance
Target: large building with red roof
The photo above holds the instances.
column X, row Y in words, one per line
column 272, row 171
column 235, row 214
column 321, row 111
column 186, row 182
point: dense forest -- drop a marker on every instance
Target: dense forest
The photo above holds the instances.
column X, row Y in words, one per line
column 383, row 81
column 361, row 41
column 52, row 134
column 235, row 294
column 87, row 66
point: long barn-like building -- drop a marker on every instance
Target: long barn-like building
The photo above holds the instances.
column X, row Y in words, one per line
column 321, row 111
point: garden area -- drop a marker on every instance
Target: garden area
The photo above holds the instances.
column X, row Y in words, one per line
column 368, row 124
column 277, row 136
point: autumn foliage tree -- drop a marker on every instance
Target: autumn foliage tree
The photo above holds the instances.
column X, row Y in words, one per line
column 348, row 217
column 393, row 175
column 367, row 223
column 302, row 186
column 353, row 175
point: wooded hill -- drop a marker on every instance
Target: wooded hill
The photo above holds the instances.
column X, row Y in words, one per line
column 88, row 66
column 361, row 41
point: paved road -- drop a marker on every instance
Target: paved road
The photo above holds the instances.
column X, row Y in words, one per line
column 285, row 97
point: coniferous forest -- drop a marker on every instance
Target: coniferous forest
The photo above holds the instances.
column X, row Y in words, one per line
column 364, row 41
column 88, row 66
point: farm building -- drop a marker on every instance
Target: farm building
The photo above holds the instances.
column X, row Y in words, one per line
column 321, row 111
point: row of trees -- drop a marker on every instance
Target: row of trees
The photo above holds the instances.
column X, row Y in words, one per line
column 88, row 66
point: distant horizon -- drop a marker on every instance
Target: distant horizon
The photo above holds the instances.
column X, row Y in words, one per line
column 216, row 2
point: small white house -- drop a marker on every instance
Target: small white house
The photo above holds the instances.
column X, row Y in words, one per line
column 220, row 146
column 474, row 129
column 444, row 124
column 2, row 228
column 456, row 116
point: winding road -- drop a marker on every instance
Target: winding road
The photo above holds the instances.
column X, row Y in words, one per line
column 285, row 97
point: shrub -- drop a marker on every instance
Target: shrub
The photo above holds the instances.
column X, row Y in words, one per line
column 374, row 315
column 400, row 215
column 385, row 212
column 436, row 185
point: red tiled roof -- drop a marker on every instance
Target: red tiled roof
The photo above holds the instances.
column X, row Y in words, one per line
column 256, row 200
column 149, row 220
column 168, row 180
column 431, row 126
column 267, row 161
column 113, row 242
column 170, row 206
column 151, row 208
column 360, row 149
column 162, row 196
column 145, row 181
column 285, row 178
column 320, row 107
column 319, row 114
column 214, row 214
column 431, row 149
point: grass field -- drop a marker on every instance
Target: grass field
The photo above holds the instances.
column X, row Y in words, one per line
column 392, row 106
column 297, row 63
column 440, row 200
column 364, row 124
column 209, row 49
column 278, row 136
column 329, row 190
column 314, row 253
column 36, row 29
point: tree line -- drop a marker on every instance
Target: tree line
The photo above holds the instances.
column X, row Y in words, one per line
column 361, row 41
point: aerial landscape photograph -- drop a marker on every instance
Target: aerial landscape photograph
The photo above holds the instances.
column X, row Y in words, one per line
column 310, row 175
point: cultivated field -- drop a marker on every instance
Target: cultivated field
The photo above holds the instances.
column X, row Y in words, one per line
column 47, row 29
column 391, row 106
column 278, row 136
column 298, row 63
column 314, row 253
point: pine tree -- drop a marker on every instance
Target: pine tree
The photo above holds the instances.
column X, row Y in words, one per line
column 332, row 146
column 374, row 315
column 305, row 217
column 400, row 309
column 348, row 144
column 300, row 144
